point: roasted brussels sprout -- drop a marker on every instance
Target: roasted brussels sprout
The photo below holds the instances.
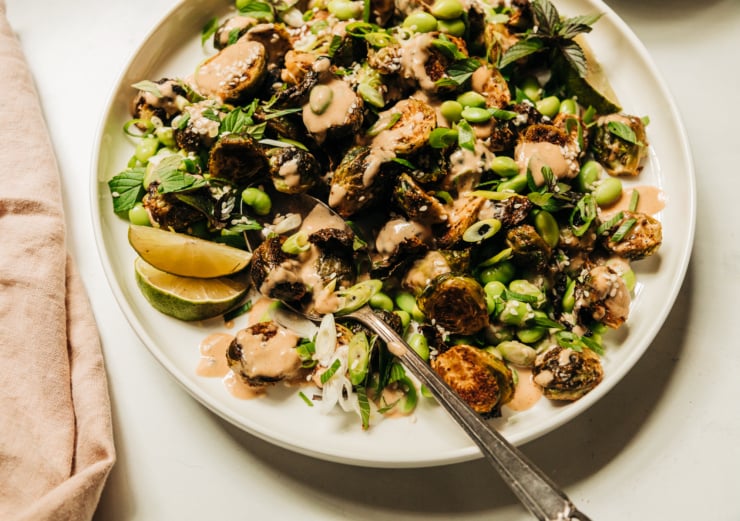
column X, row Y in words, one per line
column 544, row 145
column 642, row 239
column 234, row 72
column 488, row 81
column 528, row 248
column 237, row 158
column 275, row 39
column 168, row 212
column 479, row 377
column 293, row 170
column 566, row 374
column 416, row 203
column 604, row 296
column 511, row 211
column 358, row 181
column 424, row 270
column 432, row 63
column 461, row 216
column 334, row 111
column 264, row 353
column 198, row 126
column 162, row 101
column 405, row 127
column 619, row 143
column 456, row 303
column 276, row 274
column 335, row 256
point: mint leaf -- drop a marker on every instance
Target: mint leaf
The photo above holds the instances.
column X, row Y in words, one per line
column 521, row 49
column 623, row 131
column 127, row 189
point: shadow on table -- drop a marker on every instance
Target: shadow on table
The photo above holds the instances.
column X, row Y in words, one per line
column 570, row 454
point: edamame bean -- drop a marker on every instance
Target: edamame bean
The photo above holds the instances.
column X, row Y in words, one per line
column 493, row 291
column 258, row 200
column 499, row 333
column 418, row 343
column 454, row 27
column 447, row 9
column 502, row 272
column 146, row 148
column 320, row 98
column 139, row 216
column 381, row 301
column 528, row 291
column 568, row 106
column 475, row 114
column 530, row 335
column 407, row 302
column 547, row 227
column 451, row 111
column 607, row 191
column 588, row 175
column 345, row 10
column 516, row 184
column 531, row 88
column 504, row 166
column 421, row 22
column 166, row 136
column 517, row 353
column 471, row 99
column 548, row 106
column 404, row 316
column 515, row 313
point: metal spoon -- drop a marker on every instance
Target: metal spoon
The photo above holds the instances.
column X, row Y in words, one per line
column 540, row 495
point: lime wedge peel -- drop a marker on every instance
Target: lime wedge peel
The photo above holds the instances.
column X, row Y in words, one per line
column 184, row 255
column 187, row 298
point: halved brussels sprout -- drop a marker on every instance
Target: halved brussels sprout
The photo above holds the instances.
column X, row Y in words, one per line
column 161, row 101
column 237, row 158
column 276, row 274
column 456, row 303
column 488, row 81
column 642, row 236
column 405, row 127
column 604, row 296
column 358, row 181
column 565, row 374
column 619, row 143
column 231, row 30
column 479, row 377
column 416, row 203
column 292, row 169
column 168, row 212
column 462, row 216
column 528, row 248
column 234, row 72
column 198, row 126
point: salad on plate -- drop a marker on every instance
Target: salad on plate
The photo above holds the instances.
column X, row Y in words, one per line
column 468, row 156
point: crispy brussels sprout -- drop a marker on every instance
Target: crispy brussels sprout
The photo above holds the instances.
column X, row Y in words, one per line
column 488, row 81
column 479, row 377
column 264, row 353
column 237, row 158
column 276, row 274
column 234, row 72
column 416, row 203
column 619, row 143
column 566, row 374
column 334, row 111
column 603, row 296
column 336, row 256
column 424, row 270
column 350, row 192
column 405, row 127
column 198, row 126
column 642, row 239
column 168, row 212
column 275, row 39
column 162, row 101
column 231, row 30
column 529, row 249
column 433, row 64
column 544, row 145
column 463, row 214
column 456, row 303
column 511, row 211
column 292, row 169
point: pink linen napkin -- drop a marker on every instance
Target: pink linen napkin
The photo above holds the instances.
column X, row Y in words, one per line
column 56, row 442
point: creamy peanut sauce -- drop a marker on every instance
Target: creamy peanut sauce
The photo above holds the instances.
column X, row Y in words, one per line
column 290, row 173
column 527, row 392
column 344, row 104
column 607, row 285
column 273, row 357
column 235, row 23
column 225, row 70
column 426, row 269
column 535, row 155
column 652, row 201
column 466, row 167
column 238, row 388
column 213, row 362
column 167, row 98
column 414, row 56
column 396, row 231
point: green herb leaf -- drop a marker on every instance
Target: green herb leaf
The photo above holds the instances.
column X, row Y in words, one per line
column 148, row 86
column 259, row 10
column 208, row 30
column 177, row 181
column 623, row 131
column 546, row 15
column 573, row 54
column 235, row 122
column 233, row 36
column 583, row 215
column 442, row 137
column 521, row 49
column 127, row 189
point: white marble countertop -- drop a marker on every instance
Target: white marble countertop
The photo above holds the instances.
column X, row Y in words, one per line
column 663, row 444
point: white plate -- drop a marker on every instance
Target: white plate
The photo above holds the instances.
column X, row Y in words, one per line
column 429, row 437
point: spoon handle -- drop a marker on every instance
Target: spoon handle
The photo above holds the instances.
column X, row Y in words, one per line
column 533, row 488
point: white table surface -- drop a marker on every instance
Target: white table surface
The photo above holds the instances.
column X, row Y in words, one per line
column 663, row 444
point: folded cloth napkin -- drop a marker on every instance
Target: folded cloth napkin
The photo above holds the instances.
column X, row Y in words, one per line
column 56, row 442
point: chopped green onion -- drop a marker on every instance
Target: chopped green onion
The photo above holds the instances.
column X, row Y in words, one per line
column 326, row 375
column 611, row 223
column 623, row 230
column 305, row 398
column 634, row 200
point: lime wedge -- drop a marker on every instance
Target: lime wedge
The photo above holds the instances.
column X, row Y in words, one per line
column 594, row 90
column 184, row 255
column 187, row 298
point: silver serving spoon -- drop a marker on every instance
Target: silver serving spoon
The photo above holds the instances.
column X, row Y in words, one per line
column 540, row 495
